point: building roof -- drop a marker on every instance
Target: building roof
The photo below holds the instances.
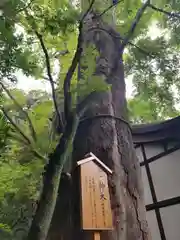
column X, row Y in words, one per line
column 166, row 130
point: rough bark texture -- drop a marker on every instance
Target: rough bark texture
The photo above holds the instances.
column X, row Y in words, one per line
column 110, row 140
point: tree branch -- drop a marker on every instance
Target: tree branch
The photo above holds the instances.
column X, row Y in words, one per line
column 38, row 155
column 107, row 9
column 122, row 38
column 141, row 50
column 87, row 11
column 72, row 68
column 48, row 68
column 67, row 80
column 25, row 7
column 25, row 140
column 15, row 126
column 31, row 127
column 47, row 79
column 134, row 23
column 19, row 139
column 61, row 53
column 170, row 14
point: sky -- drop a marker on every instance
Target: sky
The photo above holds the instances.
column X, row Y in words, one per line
column 28, row 84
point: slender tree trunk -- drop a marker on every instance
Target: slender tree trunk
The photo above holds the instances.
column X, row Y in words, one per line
column 45, row 209
column 106, row 133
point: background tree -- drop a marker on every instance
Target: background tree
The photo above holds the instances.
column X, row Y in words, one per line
column 20, row 168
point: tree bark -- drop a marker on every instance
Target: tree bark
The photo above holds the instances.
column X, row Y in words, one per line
column 106, row 133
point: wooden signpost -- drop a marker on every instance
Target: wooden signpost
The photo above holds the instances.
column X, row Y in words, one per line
column 96, row 214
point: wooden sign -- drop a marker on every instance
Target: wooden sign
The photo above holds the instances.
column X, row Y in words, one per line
column 95, row 200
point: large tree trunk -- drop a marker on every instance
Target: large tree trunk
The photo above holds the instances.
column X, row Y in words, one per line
column 109, row 137
column 106, row 133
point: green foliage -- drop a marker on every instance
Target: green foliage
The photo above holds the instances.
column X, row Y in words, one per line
column 89, row 81
column 13, row 178
column 155, row 75
column 40, row 108
column 14, row 53
column 5, row 228
column 4, row 128
column 20, row 170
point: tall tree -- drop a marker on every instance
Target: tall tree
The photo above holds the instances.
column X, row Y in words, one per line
column 104, row 128
column 20, row 169
column 105, row 131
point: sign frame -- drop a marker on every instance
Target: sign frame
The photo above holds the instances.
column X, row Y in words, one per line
column 96, row 213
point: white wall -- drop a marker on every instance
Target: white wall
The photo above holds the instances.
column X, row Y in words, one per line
column 147, row 192
column 165, row 174
column 153, row 225
column 171, row 221
column 153, row 149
